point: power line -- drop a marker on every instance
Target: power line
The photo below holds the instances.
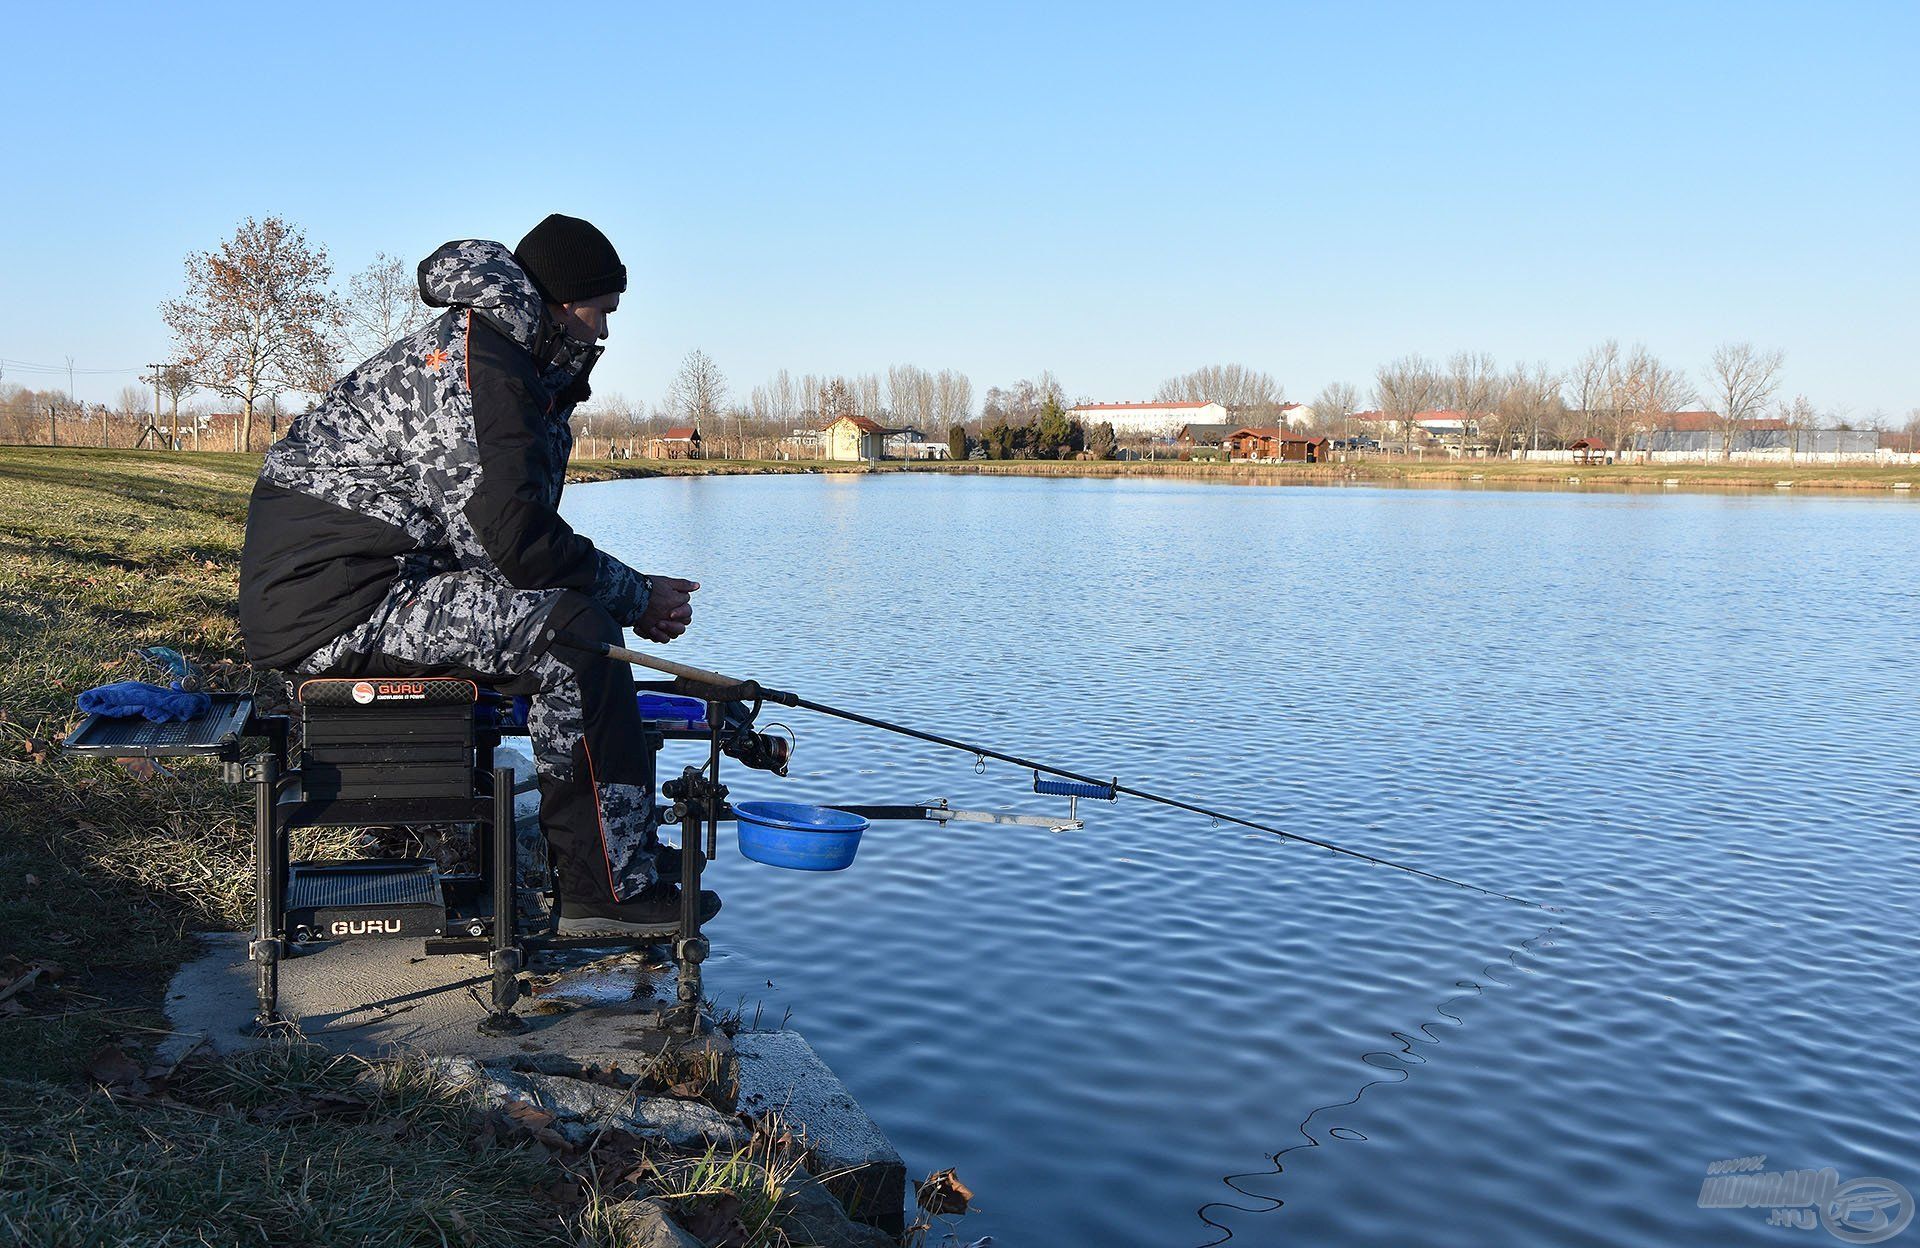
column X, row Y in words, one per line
column 29, row 367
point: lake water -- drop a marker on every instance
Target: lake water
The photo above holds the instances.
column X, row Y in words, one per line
column 1688, row 722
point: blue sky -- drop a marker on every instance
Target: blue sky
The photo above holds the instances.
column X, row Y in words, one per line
column 1115, row 192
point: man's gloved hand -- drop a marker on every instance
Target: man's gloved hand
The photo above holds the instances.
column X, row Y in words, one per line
column 669, row 609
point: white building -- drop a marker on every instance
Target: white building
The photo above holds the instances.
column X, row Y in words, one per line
column 1139, row 418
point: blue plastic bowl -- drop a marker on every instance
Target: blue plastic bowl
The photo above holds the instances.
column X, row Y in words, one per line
column 797, row 836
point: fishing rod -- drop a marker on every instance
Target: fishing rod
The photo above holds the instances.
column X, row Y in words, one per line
column 749, row 690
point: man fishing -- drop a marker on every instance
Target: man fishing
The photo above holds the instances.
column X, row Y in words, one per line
column 408, row 525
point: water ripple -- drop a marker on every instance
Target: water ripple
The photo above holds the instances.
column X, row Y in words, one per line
column 1686, row 722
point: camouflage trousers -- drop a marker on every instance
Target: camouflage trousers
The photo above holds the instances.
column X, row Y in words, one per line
column 596, row 790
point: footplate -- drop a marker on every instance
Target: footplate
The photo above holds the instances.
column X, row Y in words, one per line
column 359, row 898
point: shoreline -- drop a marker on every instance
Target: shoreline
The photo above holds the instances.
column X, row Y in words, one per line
column 1705, row 478
column 133, row 1095
column 1495, row 474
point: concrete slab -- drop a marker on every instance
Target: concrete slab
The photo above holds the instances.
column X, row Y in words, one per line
column 372, row 996
column 780, row 1072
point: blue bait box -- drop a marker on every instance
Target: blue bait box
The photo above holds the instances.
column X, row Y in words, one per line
column 797, row 836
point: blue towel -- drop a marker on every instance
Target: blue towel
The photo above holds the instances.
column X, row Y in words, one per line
column 127, row 698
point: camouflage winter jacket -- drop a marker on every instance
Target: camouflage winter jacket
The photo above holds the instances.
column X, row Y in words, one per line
column 447, row 450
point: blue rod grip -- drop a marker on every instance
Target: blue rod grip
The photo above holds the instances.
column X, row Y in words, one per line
column 1073, row 788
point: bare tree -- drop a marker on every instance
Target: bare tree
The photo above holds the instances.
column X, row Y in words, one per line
column 834, row 400
column 383, row 305
column 1404, row 387
column 1334, row 406
column 866, row 395
column 1593, row 382
column 1021, row 403
column 1641, row 391
column 176, row 383
column 257, row 316
column 1800, row 418
column 910, row 396
column 1230, row 385
column 952, row 398
column 1529, row 399
column 807, row 393
column 1470, row 386
column 776, row 402
column 130, row 410
column 1740, row 380
column 698, row 392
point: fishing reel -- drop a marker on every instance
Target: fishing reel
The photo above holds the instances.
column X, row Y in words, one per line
column 761, row 751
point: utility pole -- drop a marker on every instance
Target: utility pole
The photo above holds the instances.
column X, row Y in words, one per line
column 154, row 426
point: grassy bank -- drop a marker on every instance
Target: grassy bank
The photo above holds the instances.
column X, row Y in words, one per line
column 105, row 872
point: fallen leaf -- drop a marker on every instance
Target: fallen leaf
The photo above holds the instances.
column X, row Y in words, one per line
column 716, row 1222
column 35, row 748
column 113, row 1069
column 943, row 1193
column 32, row 879
column 530, row 1116
column 561, row 1192
column 141, row 768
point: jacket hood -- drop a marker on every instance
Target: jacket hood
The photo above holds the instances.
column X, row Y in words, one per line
column 482, row 275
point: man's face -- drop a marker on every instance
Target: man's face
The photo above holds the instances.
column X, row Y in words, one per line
column 586, row 319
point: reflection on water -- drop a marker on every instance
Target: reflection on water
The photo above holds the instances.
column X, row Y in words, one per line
column 1684, row 720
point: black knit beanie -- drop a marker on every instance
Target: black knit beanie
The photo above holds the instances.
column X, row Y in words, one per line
column 568, row 259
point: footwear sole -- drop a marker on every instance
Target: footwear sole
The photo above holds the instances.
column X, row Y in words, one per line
column 616, row 927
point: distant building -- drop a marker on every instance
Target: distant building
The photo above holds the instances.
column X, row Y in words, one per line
column 1446, row 423
column 1591, row 450
column 1139, row 418
column 853, row 438
column 1759, row 438
column 680, row 442
column 801, row 444
column 1276, row 443
column 1203, row 437
column 912, row 444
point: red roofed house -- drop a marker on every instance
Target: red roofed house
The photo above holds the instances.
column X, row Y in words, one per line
column 853, row 438
column 680, row 442
column 1276, row 443
column 1590, row 450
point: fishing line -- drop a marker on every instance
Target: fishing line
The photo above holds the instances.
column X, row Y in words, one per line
column 1402, row 1060
column 747, row 690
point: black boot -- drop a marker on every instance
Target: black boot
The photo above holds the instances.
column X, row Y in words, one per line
column 655, row 912
column 666, row 863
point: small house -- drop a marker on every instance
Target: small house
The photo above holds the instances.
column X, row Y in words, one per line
column 1276, row 444
column 853, row 438
column 1590, row 450
column 1203, row 437
column 680, row 442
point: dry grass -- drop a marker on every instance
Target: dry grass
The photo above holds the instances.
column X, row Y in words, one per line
column 103, row 870
column 286, row 1146
column 107, row 871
